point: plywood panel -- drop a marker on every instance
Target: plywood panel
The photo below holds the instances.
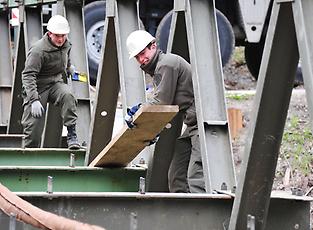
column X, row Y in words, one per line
column 128, row 143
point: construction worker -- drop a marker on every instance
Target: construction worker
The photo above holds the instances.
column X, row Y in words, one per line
column 172, row 79
column 46, row 65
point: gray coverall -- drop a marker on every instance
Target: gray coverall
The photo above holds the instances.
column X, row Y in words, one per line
column 173, row 86
column 42, row 79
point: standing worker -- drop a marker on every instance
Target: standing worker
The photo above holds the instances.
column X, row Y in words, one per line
column 46, row 65
column 172, row 79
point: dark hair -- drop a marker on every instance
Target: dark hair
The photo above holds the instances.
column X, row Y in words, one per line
column 150, row 44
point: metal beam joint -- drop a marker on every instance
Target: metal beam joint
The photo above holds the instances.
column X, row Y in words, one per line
column 283, row 1
column 180, row 5
column 110, row 8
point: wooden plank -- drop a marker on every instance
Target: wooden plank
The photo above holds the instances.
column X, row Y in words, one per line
column 235, row 121
column 128, row 143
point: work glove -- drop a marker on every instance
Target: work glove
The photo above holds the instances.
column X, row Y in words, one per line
column 71, row 70
column 76, row 75
column 154, row 140
column 130, row 115
column 37, row 109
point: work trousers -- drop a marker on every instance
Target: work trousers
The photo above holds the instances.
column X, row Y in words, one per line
column 58, row 94
column 186, row 171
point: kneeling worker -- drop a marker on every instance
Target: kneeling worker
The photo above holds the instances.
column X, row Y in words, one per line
column 46, row 65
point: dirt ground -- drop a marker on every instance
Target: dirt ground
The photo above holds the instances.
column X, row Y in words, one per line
column 294, row 171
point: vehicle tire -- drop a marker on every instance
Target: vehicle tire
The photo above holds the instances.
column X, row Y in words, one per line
column 94, row 13
column 94, row 25
column 226, row 35
column 253, row 56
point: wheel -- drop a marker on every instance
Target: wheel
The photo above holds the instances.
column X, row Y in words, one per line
column 226, row 35
column 253, row 56
column 94, row 25
column 95, row 14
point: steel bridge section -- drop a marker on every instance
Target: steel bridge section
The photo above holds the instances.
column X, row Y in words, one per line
column 289, row 32
column 156, row 211
column 6, row 71
column 29, row 31
column 116, row 73
column 70, row 179
column 197, row 19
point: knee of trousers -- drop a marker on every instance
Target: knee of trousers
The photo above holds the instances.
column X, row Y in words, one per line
column 69, row 98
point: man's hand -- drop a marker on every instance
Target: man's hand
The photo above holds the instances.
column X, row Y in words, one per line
column 37, row 109
column 71, row 70
column 129, row 116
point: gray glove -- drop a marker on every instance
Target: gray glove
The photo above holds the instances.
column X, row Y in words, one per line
column 37, row 109
column 71, row 70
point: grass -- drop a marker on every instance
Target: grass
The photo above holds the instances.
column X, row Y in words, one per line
column 296, row 145
column 238, row 97
column 239, row 56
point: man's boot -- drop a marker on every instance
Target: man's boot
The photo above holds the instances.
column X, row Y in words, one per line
column 72, row 141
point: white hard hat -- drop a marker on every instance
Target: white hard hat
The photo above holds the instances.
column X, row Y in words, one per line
column 137, row 41
column 58, row 24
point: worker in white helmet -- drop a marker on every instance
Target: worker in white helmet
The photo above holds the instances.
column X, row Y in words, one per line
column 172, row 79
column 47, row 65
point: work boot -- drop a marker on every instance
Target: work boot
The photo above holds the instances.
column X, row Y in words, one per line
column 72, row 141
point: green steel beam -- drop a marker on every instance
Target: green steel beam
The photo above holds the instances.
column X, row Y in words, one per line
column 154, row 211
column 69, row 179
column 41, row 157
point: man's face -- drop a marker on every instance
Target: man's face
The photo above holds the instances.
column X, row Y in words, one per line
column 146, row 54
column 57, row 39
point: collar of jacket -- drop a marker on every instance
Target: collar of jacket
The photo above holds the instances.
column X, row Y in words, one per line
column 50, row 47
column 150, row 66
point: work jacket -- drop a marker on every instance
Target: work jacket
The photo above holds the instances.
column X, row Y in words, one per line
column 172, row 78
column 45, row 65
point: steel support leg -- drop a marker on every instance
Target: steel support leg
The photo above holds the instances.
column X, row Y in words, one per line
column 74, row 14
column 30, row 31
column 6, row 71
column 197, row 20
column 53, row 114
column 271, row 103
column 115, row 73
column 302, row 11
column 157, row 175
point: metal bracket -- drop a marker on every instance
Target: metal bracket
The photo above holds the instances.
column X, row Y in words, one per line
column 21, row 10
column 4, row 3
column 283, row 1
column 12, row 221
column 250, row 222
column 50, row 184
column 180, row 5
column 110, row 8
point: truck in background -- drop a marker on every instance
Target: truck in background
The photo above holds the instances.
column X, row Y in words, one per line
column 240, row 23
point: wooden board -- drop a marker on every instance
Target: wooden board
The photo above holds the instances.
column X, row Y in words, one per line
column 128, row 143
